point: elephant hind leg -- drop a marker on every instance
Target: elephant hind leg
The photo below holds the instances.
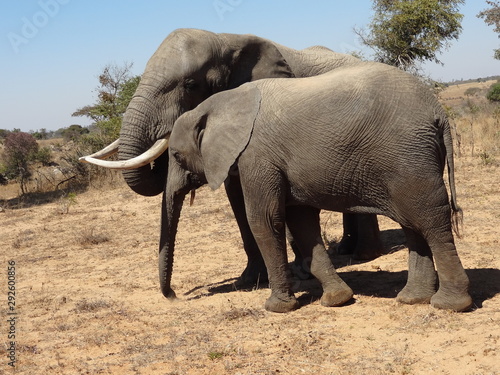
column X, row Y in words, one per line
column 422, row 277
column 453, row 281
column 425, row 210
column 303, row 222
column 436, row 235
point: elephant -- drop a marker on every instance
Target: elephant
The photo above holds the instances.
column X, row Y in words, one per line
column 367, row 139
column 188, row 67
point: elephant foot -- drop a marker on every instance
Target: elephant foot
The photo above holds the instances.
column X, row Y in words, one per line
column 411, row 296
column 337, row 297
column 451, row 301
column 281, row 304
column 252, row 277
column 169, row 294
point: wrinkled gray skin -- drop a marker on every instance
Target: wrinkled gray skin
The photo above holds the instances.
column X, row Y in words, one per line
column 368, row 139
column 188, row 67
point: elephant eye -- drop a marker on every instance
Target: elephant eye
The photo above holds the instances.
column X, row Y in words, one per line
column 190, row 85
column 177, row 156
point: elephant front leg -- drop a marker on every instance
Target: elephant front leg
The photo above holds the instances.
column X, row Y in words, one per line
column 347, row 244
column 255, row 271
column 267, row 221
column 303, row 222
column 361, row 236
column 300, row 266
column 369, row 244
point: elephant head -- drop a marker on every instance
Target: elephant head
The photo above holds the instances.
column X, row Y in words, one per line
column 205, row 144
column 208, row 140
column 188, row 67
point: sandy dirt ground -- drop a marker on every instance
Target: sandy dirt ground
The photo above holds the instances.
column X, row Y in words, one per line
column 87, row 299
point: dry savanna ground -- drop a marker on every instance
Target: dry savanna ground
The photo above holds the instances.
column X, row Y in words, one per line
column 88, row 301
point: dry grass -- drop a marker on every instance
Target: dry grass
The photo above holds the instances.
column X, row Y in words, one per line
column 88, row 300
column 90, row 236
column 477, row 121
column 94, row 307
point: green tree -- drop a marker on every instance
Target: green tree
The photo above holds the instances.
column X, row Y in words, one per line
column 3, row 134
column 491, row 17
column 74, row 132
column 494, row 94
column 406, row 32
column 115, row 90
column 126, row 92
column 41, row 134
column 43, row 155
column 20, row 151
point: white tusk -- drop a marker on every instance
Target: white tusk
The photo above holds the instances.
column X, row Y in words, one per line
column 147, row 157
column 106, row 152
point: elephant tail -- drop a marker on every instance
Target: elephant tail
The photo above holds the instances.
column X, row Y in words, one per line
column 457, row 213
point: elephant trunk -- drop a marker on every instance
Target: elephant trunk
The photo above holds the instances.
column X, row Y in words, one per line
column 135, row 139
column 177, row 188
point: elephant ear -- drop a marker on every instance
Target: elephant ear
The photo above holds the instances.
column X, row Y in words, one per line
column 255, row 58
column 229, row 126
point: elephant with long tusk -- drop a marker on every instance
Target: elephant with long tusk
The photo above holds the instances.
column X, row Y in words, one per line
column 188, row 67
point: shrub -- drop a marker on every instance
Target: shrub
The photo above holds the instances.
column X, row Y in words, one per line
column 471, row 91
column 494, row 93
column 20, row 151
column 44, row 155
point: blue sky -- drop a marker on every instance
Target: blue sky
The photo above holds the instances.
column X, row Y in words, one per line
column 53, row 50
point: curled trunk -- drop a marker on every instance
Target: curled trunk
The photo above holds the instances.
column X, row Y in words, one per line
column 135, row 139
column 148, row 181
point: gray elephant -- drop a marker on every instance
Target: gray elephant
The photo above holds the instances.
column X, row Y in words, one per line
column 364, row 139
column 188, row 67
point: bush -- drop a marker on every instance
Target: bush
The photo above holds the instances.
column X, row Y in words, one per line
column 471, row 91
column 494, row 93
column 74, row 132
column 44, row 155
column 20, row 151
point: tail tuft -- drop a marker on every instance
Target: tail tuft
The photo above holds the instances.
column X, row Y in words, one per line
column 457, row 213
column 457, row 220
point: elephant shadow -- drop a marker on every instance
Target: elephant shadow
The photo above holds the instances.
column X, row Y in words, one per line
column 377, row 283
column 393, row 240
